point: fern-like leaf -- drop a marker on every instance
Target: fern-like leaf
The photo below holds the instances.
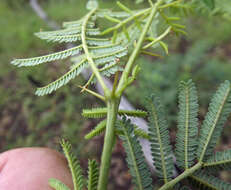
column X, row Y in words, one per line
column 98, row 41
column 102, row 112
column 105, row 12
column 64, row 38
column 110, row 57
column 136, row 162
column 78, row 23
column 133, row 113
column 141, row 133
column 159, row 139
column 93, row 175
column 219, row 161
column 110, row 69
column 186, row 140
column 133, row 32
column 94, row 112
column 68, row 38
column 75, row 71
column 211, row 129
column 68, row 31
column 204, row 181
column 99, row 128
column 48, row 58
column 100, row 50
column 57, row 185
column 74, row 166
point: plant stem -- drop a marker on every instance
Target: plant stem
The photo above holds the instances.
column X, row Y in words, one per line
column 138, row 47
column 185, row 174
column 112, row 106
column 124, row 22
column 88, row 55
column 113, row 101
column 158, row 38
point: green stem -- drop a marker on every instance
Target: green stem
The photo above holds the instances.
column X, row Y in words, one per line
column 113, row 102
column 112, row 106
column 158, row 39
column 137, row 49
column 124, row 22
column 185, row 174
column 88, row 55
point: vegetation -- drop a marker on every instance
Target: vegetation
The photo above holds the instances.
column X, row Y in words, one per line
column 104, row 56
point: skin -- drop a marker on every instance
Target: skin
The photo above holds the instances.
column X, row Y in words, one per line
column 31, row 169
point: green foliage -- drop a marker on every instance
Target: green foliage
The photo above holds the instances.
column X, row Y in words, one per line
column 99, row 128
column 196, row 61
column 210, row 3
column 47, row 58
column 212, row 7
column 74, row 166
column 135, row 158
column 219, row 110
column 102, row 112
column 93, row 175
column 102, row 52
column 187, row 125
column 159, row 139
column 28, row 121
column 57, row 185
column 204, row 181
column 75, row 70
column 76, row 171
column 219, row 161
column 141, row 133
column 199, row 171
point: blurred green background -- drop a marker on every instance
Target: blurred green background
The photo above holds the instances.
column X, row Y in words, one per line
column 27, row 120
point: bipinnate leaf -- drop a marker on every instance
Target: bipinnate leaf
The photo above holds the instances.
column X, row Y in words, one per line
column 141, row 175
column 219, row 110
column 159, row 138
column 186, row 140
column 57, row 185
column 204, row 181
column 104, row 54
column 93, row 175
column 74, row 165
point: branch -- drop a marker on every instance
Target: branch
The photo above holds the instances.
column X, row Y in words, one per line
column 124, row 104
